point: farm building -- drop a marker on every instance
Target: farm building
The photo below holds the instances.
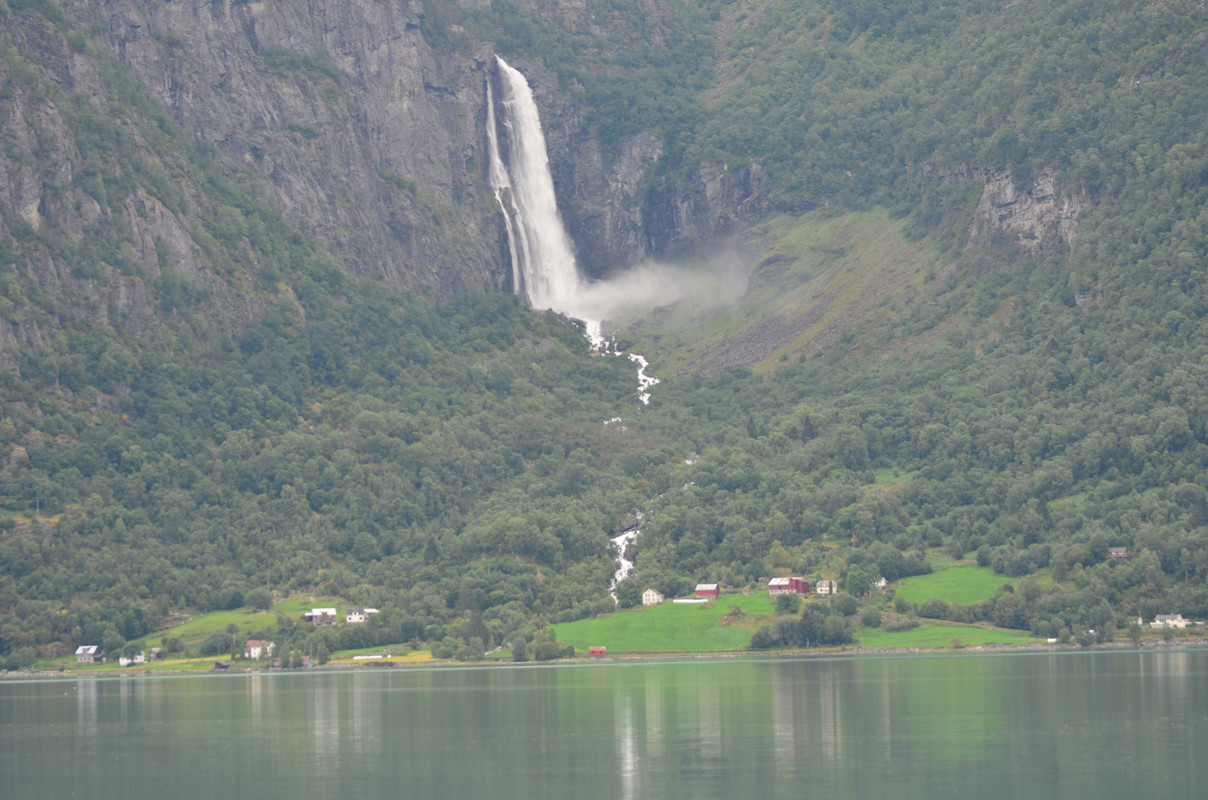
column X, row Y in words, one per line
column 320, row 616
column 826, row 588
column 652, row 597
column 779, row 586
column 356, row 616
column 708, row 590
column 89, row 654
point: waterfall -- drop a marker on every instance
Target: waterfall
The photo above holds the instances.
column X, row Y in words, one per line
column 543, row 260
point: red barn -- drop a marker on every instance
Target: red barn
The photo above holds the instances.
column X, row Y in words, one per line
column 708, row 590
column 597, row 651
column 779, row 586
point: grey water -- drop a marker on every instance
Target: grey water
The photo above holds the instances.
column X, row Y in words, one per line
column 1100, row 724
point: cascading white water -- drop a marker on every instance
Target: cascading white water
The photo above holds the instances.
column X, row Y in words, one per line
column 543, row 261
column 502, row 186
column 544, row 271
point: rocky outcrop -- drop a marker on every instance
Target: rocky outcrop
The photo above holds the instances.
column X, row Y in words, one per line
column 605, row 205
column 1036, row 214
column 715, row 204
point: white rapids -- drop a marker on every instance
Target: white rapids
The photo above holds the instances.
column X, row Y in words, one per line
column 624, row 566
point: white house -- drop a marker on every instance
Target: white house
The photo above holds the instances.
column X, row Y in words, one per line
column 355, row 616
column 826, row 587
column 652, row 597
column 258, row 649
column 1168, row 621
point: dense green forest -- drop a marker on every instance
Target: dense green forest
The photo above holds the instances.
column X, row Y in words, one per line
column 461, row 465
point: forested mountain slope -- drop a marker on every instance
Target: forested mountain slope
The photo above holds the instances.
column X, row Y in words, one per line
column 249, row 335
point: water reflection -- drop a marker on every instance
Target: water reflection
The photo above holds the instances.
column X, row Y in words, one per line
column 629, row 761
column 88, row 698
column 1101, row 724
column 324, row 727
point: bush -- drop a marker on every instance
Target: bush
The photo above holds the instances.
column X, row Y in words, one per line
column 22, row 658
column 259, row 598
column 905, row 624
column 788, row 603
column 935, row 608
column 844, row 604
column 216, row 643
column 549, row 651
column 763, row 638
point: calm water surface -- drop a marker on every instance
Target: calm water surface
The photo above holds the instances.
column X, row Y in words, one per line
column 1104, row 725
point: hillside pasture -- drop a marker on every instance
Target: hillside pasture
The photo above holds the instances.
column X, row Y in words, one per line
column 961, row 585
column 194, row 632
column 672, row 627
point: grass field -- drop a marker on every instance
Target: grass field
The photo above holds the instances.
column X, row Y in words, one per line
column 194, row 632
column 962, row 585
column 671, row 627
column 939, row 635
column 248, row 621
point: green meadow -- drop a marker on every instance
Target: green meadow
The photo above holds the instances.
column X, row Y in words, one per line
column 678, row 628
column 963, row 585
column 672, row 627
column 194, row 632
column 941, row 635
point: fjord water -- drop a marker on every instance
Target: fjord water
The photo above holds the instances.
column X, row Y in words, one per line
column 1103, row 725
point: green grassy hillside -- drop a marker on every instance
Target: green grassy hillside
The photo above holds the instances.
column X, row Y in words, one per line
column 976, row 250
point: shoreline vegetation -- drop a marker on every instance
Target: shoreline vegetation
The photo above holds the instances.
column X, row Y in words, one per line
column 423, row 660
column 911, row 617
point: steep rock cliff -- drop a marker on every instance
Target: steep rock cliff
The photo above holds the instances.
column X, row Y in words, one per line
column 361, row 122
column 364, row 135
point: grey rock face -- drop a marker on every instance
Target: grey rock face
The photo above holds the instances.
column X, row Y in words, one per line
column 343, row 114
column 362, row 132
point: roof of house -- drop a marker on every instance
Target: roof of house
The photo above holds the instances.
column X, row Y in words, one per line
column 706, row 587
column 86, row 650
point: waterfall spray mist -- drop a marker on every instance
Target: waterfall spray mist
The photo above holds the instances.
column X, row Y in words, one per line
column 544, row 271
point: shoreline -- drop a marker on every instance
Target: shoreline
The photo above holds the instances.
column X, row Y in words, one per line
column 833, row 652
